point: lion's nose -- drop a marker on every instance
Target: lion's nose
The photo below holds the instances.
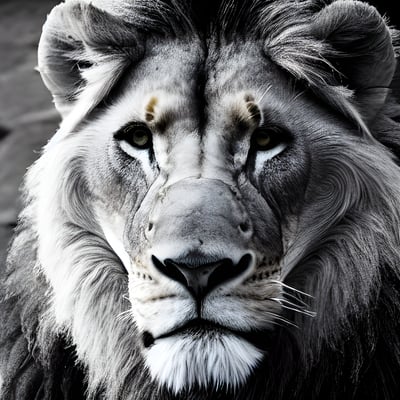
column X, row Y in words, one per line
column 200, row 278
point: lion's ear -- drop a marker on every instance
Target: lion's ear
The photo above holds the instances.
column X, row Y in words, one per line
column 360, row 49
column 84, row 49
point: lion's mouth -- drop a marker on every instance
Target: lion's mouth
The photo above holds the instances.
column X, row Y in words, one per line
column 197, row 326
column 200, row 327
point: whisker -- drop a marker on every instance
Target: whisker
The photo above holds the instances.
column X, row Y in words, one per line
column 290, row 303
column 295, row 298
column 264, row 93
column 291, row 288
column 125, row 315
column 281, row 319
column 293, row 307
column 276, row 323
column 311, row 314
column 294, row 98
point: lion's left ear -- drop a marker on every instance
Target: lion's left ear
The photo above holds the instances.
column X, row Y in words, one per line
column 360, row 49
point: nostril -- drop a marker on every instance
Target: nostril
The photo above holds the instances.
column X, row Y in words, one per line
column 201, row 277
column 169, row 269
column 228, row 271
column 150, row 227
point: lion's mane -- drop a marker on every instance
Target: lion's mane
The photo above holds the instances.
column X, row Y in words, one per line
column 347, row 255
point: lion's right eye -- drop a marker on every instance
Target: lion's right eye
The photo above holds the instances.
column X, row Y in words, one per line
column 136, row 134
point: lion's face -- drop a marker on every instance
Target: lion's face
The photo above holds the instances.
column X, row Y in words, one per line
column 216, row 177
column 196, row 189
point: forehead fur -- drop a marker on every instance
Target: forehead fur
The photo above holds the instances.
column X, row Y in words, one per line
column 281, row 24
column 87, row 68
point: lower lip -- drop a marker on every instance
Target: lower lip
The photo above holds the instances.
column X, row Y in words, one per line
column 209, row 329
column 191, row 329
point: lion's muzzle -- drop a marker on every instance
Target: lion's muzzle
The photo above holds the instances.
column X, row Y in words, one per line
column 208, row 243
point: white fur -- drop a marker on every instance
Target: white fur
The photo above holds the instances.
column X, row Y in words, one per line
column 244, row 315
column 218, row 359
column 54, row 260
column 114, row 239
column 263, row 156
column 159, row 307
column 140, row 155
column 183, row 161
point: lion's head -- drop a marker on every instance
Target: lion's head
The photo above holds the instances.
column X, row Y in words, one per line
column 219, row 210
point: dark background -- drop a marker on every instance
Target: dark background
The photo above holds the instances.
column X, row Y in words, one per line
column 390, row 8
column 27, row 116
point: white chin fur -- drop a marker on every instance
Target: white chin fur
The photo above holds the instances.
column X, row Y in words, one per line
column 217, row 360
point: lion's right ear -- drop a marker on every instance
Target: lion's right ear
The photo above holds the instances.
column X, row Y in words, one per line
column 82, row 52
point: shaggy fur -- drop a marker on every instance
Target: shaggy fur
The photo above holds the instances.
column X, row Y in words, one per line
column 329, row 213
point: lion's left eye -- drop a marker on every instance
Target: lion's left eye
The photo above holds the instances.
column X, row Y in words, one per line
column 136, row 134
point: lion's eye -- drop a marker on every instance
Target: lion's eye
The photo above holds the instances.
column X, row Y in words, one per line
column 137, row 135
column 267, row 138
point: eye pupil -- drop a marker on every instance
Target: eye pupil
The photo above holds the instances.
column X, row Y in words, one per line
column 267, row 138
column 263, row 139
column 140, row 137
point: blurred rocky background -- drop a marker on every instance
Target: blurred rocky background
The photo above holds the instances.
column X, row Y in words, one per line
column 27, row 116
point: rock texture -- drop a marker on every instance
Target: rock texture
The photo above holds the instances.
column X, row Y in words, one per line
column 27, row 116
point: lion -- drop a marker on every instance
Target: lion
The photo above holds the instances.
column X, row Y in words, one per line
column 217, row 216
